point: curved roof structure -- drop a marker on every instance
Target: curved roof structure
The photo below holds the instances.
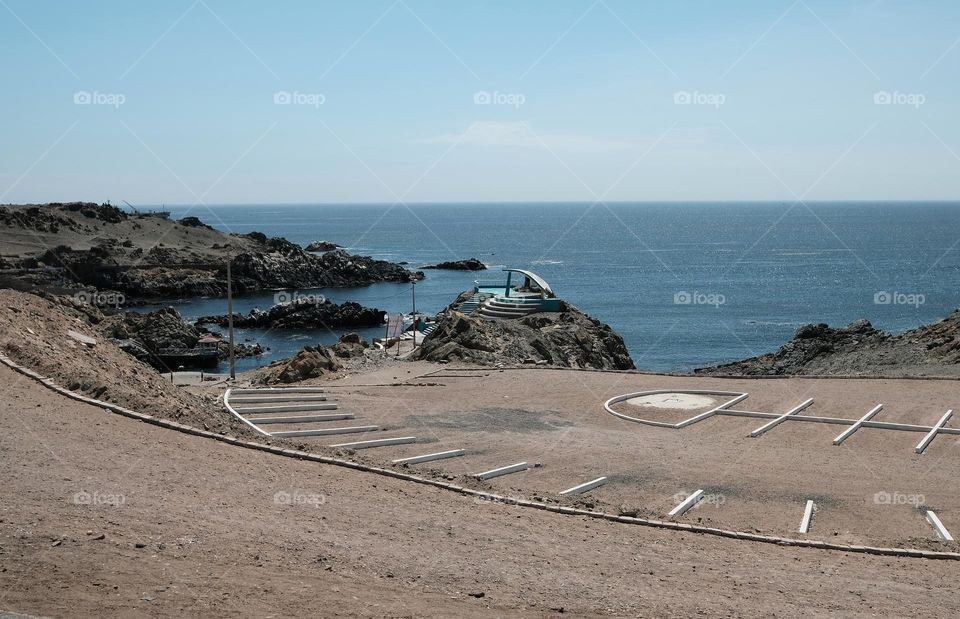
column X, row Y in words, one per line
column 539, row 281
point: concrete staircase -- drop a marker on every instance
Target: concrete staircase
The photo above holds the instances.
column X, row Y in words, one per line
column 509, row 307
column 470, row 305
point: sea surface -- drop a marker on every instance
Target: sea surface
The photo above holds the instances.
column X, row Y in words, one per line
column 685, row 284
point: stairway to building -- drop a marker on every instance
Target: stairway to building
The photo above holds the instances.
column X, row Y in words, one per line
column 509, row 307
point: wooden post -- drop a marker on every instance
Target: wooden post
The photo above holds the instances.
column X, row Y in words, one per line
column 233, row 369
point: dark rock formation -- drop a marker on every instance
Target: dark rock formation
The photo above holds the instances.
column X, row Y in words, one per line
column 470, row 264
column 309, row 363
column 163, row 328
column 193, row 222
column 858, row 348
column 321, row 246
column 143, row 335
column 349, row 346
column 289, row 266
column 305, row 312
column 568, row 338
column 190, row 261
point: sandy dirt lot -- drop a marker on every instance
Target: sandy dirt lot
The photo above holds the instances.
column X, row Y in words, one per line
column 105, row 515
column 872, row 490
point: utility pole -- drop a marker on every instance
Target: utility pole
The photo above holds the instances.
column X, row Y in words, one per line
column 233, row 368
column 416, row 319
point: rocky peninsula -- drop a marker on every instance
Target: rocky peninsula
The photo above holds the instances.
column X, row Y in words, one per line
column 145, row 256
column 858, row 349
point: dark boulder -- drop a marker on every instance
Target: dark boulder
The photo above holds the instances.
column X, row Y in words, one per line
column 321, row 246
column 470, row 264
column 568, row 338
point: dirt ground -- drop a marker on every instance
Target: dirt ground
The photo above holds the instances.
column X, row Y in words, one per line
column 871, row 490
column 109, row 516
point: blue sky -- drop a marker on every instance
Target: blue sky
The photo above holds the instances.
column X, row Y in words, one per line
column 376, row 101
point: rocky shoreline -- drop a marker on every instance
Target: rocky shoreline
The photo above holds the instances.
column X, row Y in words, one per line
column 858, row 349
column 303, row 313
column 147, row 256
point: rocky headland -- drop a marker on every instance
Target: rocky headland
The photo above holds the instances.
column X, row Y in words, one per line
column 568, row 338
column 60, row 246
column 858, row 349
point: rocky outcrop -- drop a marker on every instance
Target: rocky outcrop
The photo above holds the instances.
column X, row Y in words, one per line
column 858, row 349
column 349, row 346
column 321, row 246
column 150, row 257
column 163, row 328
column 143, row 335
column 193, row 222
column 310, row 362
column 288, row 266
column 568, row 338
column 305, row 312
column 470, row 264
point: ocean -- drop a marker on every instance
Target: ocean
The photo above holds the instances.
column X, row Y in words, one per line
column 685, row 284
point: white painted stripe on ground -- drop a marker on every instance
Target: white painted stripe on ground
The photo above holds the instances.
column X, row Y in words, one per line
column 299, row 418
column 503, row 470
column 686, row 504
column 585, row 487
column 807, row 515
column 713, row 411
column 325, row 431
column 440, row 455
column 856, row 426
column 278, row 399
column 933, row 432
column 284, row 408
column 245, row 421
column 772, row 424
column 380, row 442
column 274, row 390
column 941, row 530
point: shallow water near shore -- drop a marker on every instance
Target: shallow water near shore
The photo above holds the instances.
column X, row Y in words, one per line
column 685, row 284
